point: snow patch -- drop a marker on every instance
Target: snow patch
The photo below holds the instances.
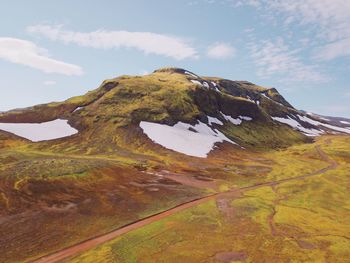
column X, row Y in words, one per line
column 215, row 86
column 345, row 122
column 317, row 123
column 297, row 126
column 205, row 84
column 40, row 131
column 234, row 121
column 246, row 118
column 196, row 82
column 180, row 139
column 318, row 116
column 212, row 120
column 79, row 108
column 264, row 95
column 250, row 99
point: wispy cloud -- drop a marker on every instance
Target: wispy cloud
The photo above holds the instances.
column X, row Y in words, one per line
column 147, row 42
column 328, row 19
column 29, row 54
column 330, row 16
column 221, row 51
column 276, row 58
column 333, row 50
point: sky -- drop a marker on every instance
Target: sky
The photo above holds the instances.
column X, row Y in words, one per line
column 51, row 50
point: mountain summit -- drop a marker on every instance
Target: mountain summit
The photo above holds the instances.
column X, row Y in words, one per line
column 172, row 109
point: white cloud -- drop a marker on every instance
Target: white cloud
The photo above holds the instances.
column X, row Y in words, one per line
column 334, row 50
column 149, row 43
column 49, row 82
column 27, row 53
column 331, row 16
column 328, row 20
column 221, row 51
column 277, row 58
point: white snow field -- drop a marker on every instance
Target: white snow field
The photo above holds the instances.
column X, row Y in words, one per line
column 317, row 123
column 297, row 126
column 310, row 132
column 180, row 139
column 40, row 131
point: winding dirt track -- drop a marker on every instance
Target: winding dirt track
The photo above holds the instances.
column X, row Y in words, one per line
column 93, row 242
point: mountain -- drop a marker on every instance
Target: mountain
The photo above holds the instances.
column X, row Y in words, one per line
column 172, row 163
column 117, row 115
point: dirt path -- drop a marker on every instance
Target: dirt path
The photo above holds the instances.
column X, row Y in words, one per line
column 93, row 242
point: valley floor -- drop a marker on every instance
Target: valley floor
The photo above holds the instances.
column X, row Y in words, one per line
column 291, row 205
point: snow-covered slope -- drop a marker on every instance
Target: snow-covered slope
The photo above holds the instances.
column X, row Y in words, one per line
column 40, row 131
column 194, row 140
column 315, row 127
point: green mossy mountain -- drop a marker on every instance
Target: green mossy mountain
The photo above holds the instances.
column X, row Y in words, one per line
column 108, row 116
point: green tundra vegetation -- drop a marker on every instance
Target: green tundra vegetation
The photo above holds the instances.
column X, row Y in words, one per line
column 51, row 201
column 305, row 220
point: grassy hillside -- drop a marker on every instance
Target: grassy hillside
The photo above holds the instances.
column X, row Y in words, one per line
column 296, row 221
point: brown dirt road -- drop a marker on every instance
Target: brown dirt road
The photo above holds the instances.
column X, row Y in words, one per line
column 93, row 242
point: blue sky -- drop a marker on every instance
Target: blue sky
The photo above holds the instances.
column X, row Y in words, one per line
column 52, row 50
